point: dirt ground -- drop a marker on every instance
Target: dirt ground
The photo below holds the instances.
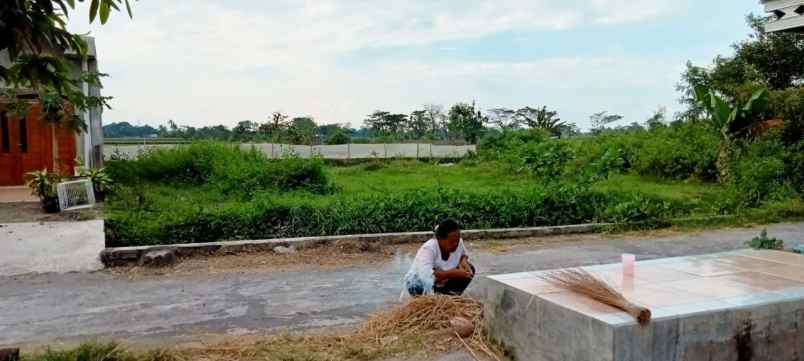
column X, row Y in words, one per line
column 350, row 253
column 32, row 212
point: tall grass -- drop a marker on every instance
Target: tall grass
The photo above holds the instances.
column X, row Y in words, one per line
column 224, row 166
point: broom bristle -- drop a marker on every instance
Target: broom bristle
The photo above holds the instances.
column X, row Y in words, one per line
column 584, row 283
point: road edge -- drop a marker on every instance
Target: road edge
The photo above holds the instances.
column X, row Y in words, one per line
column 126, row 256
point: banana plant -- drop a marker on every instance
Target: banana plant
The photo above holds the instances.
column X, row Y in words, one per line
column 731, row 120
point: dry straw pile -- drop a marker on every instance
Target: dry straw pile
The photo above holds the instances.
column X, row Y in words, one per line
column 420, row 327
column 431, row 315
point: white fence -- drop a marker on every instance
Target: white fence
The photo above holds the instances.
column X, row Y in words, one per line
column 344, row 151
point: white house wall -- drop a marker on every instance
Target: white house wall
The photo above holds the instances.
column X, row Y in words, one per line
column 788, row 15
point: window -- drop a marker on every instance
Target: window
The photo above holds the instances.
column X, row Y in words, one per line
column 23, row 135
column 4, row 132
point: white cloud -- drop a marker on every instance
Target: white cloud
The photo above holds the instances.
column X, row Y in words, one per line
column 203, row 62
column 621, row 11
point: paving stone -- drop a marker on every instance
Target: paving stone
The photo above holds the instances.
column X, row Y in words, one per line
column 159, row 258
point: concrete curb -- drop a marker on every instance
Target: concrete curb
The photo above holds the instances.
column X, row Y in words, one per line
column 123, row 256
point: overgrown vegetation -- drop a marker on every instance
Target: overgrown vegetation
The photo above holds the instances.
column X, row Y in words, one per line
column 764, row 242
column 212, row 191
column 224, row 167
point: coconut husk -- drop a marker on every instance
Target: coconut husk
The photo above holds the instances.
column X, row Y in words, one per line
column 584, row 283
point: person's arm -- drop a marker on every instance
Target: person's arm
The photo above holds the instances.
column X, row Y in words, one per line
column 453, row 273
column 464, row 262
column 465, row 265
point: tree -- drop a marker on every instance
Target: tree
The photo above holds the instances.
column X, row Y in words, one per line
column 435, row 115
column 218, row 132
column 376, row 122
column 328, row 130
column 727, row 76
column 631, row 127
column 37, row 29
column 568, row 130
column 777, row 57
column 245, row 130
column 274, row 127
column 397, row 124
column 541, row 118
column 418, row 124
column 127, row 130
column 302, row 130
column 766, row 60
column 34, row 34
column 503, row 118
column 385, row 124
column 466, row 121
column 340, row 136
column 601, row 119
column 657, row 120
column 732, row 120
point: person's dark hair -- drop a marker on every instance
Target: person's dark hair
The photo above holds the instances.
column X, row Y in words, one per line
column 446, row 227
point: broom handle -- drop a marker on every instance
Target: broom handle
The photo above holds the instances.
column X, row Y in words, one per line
column 642, row 314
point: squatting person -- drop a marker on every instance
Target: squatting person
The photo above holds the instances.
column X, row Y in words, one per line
column 441, row 264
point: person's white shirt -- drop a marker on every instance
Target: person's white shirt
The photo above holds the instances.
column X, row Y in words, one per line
column 429, row 259
column 429, row 256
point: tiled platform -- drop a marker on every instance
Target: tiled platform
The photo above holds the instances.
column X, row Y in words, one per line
column 712, row 307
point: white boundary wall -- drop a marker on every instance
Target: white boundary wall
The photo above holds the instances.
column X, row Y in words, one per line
column 343, row 151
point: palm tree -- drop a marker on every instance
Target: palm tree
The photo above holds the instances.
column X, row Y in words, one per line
column 541, row 118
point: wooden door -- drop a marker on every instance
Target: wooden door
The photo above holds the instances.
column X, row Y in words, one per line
column 11, row 172
column 35, row 150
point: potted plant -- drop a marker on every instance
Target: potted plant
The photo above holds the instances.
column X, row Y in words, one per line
column 43, row 185
column 101, row 182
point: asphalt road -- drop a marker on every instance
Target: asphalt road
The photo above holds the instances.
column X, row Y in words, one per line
column 70, row 307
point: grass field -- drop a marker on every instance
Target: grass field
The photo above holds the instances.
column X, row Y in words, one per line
column 404, row 176
column 408, row 195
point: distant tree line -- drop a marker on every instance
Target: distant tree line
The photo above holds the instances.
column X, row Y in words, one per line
column 462, row 122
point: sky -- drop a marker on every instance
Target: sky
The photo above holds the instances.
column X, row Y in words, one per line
column 204, row 62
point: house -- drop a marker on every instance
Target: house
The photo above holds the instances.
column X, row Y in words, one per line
column 788, row 15
column 26, row 144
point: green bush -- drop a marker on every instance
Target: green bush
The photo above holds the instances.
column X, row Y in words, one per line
column 611, row 162
column 759, row 172
column 265, row 217
column 795, row 167
column 527, row 151
column 546, row 159
column 682, row 151
column 789, row 105
column 763, row 242
column 225, row 166
column 496, row 145
column 339, row 137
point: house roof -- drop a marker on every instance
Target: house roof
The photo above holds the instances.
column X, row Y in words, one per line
column 788, row 15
